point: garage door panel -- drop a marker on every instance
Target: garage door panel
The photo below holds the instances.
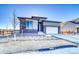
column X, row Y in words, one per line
column 51, row 30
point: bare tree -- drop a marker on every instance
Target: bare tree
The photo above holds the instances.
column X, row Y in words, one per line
column 14, row 24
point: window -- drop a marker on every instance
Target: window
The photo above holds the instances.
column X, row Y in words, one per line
column 29, row 24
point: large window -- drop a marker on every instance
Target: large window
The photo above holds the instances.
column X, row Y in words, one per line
column 29, row 24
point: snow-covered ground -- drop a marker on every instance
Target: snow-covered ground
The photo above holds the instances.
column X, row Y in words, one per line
column 20, row 46
column 71, row 50
column 67, row 37
column 76, row 35
column 32, row 45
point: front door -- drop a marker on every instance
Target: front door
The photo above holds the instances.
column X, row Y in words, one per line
column 77, row 30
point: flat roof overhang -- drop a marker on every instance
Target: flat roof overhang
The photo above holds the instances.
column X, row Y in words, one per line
column 33, row 18
column 51, row 23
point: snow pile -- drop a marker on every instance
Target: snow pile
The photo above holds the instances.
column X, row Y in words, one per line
column 41, row 33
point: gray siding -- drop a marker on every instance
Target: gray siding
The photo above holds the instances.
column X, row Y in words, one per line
column 51, row 24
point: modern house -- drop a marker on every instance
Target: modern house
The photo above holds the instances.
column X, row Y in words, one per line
column 70, row 27
column 37, row 24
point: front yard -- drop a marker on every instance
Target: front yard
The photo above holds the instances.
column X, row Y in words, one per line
column 30, row 45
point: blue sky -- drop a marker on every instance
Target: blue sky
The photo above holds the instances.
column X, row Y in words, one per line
column 54, row 12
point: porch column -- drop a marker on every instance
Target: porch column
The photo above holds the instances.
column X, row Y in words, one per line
column 39, row 26
column 59, row 30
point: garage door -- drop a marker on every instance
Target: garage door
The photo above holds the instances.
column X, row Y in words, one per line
column 51, row 30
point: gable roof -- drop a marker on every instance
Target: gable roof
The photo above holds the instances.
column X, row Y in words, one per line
column 63, row 24
column 75, row 21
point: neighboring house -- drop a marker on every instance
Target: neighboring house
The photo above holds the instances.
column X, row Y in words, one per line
column 6, row 32
column 70, row 27
column 37, row 24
